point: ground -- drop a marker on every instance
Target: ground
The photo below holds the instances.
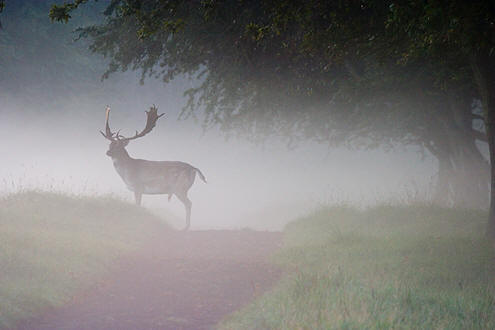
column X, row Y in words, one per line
column 183, row 280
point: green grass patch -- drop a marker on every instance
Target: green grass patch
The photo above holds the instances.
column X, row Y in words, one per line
column 389, row 267
column 52, row 245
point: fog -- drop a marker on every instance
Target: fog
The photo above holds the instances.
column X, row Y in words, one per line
column 368, row 150
column 59, row 148
column 51, row 111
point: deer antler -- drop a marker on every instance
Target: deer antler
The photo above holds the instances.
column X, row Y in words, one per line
column 152, row 118
column 108, row 133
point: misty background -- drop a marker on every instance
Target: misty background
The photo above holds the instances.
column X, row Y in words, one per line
column 52, row 103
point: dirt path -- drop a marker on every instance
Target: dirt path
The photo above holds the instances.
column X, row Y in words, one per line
column 184, row 281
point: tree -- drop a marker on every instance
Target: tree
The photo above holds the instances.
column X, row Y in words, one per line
column 337, row 72
column 461, row 30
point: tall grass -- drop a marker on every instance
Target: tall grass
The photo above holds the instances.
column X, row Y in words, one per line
column 388, row 267
column 52, row 245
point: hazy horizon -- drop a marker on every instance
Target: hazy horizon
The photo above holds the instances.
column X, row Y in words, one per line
column 62, row 149
column 51, row 113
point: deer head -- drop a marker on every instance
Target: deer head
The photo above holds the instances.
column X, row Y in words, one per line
column 119, row 142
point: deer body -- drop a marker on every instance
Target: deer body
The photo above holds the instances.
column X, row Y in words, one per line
column 155, row 177
column 151, row 177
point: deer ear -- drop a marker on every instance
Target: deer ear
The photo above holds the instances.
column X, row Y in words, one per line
column 126, row 143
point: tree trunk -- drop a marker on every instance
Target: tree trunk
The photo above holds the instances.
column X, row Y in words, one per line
column 470, row 177
column 463, row 172
column 443, row 187
column 463, row 176
column 483, row 67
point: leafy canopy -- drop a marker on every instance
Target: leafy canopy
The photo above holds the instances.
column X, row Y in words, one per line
column 334, row 71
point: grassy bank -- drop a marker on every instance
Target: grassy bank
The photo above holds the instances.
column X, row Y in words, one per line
column 415, row 267
column 52, row 245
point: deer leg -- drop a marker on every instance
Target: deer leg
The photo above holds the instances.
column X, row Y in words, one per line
column 137, row 197
column 187, row 204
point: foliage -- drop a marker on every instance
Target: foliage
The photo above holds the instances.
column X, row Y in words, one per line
column 54, row 245
column 387, row 267
column 257, row 76
column 61, row 12
column 453, row 31
column 331, row 71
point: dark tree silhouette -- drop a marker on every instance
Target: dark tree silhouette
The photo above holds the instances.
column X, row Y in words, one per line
column 358, row 73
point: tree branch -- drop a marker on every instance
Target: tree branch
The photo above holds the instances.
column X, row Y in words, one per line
column 61, row 13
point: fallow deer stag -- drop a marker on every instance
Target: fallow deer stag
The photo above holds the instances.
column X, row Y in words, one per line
column 150, row 177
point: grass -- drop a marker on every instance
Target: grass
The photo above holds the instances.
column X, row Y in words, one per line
column 388, row 267
column 52, row 245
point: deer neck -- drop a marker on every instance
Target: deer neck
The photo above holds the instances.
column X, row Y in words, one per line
column 123, row 164
column 121, row 158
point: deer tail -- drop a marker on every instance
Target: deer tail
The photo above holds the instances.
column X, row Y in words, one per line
column 200, row 174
